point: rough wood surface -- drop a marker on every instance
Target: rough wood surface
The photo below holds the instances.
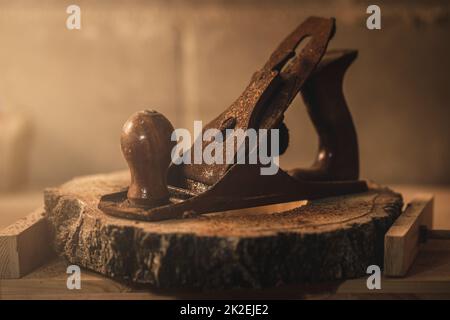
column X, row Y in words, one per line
column 334, row 238
column 24, row 245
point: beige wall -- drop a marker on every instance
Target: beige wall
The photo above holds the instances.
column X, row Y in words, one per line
column 189, row 60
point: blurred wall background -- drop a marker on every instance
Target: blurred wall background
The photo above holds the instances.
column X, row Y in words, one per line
column 191, row 59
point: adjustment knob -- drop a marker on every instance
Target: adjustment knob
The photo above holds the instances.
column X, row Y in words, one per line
column 146, row 146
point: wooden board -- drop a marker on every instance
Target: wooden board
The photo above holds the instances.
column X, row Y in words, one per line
column 24, row 245
column 402, row 240
column 429, row 278
column 328, row 239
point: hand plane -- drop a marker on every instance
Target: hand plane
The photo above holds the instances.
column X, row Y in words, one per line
column 160, row 190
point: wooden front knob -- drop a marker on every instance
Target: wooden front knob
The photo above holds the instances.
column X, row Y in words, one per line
column 146, row 146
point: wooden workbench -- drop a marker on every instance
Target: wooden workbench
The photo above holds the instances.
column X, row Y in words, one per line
column 429, row 276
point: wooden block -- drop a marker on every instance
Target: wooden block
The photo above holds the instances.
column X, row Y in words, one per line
column 401, row 242
column 24, row 245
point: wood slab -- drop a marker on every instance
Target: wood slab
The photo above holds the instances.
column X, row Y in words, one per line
column 402, row 241
column 329, row 239
column 24, row 245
